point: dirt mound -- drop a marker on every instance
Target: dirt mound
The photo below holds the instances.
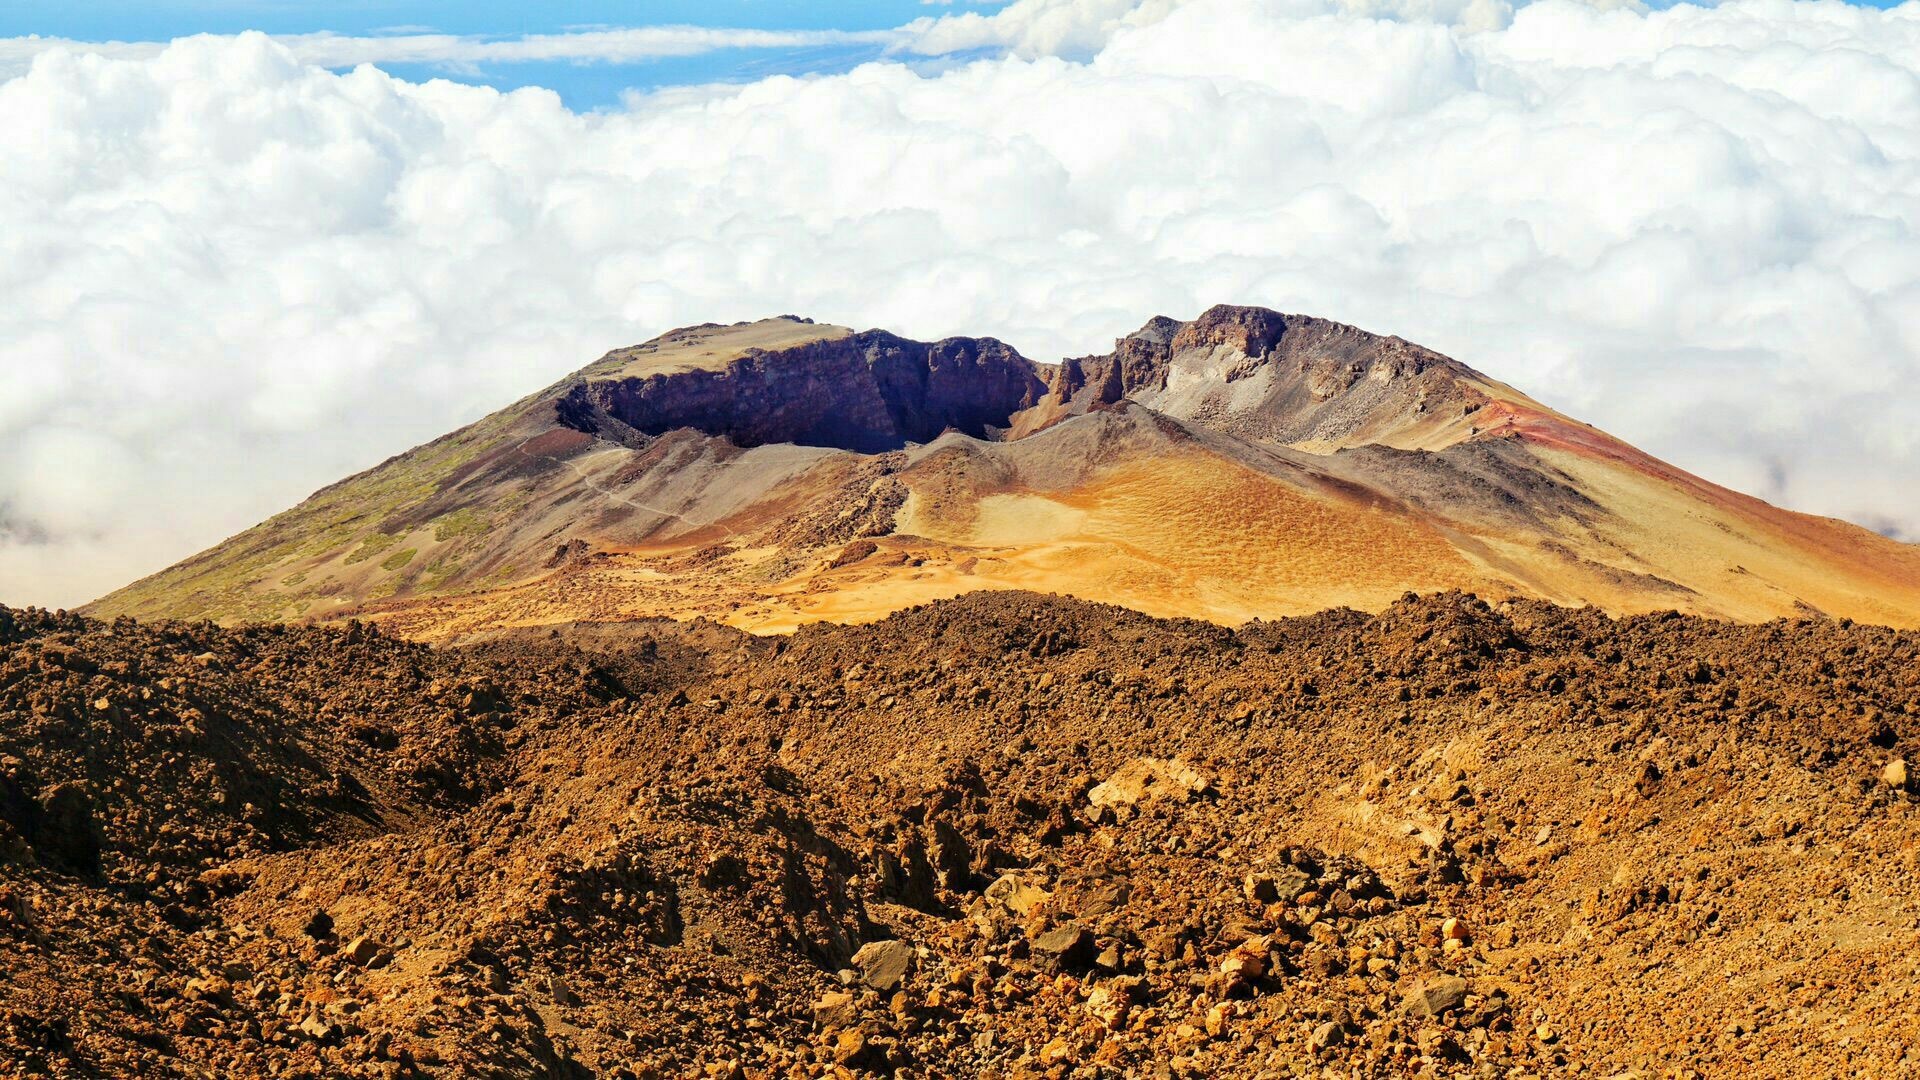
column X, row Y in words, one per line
column 1004, row 835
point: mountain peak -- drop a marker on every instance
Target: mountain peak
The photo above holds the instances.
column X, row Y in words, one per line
column 1308, row 383
column 1245, row 463
column 1252, row 331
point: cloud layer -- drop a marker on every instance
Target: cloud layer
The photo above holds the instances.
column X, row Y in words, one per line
column 234, row 277
column 465, row 53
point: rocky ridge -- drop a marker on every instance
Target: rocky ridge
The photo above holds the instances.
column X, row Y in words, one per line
column 867, row 392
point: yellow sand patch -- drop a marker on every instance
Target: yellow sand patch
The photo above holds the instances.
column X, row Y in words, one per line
column 1192, row 535
column 1020, row 520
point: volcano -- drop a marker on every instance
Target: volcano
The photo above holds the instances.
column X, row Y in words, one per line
column 1241, row 465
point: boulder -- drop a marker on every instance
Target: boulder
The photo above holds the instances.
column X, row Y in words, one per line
column 855, row 1050
column 883, row 965
column 835, row 1009
column 215, row 990
column 1111, row 1001
column 1246, row 963
column 361, row 951
column 1437, row 997
column 1283, row 884
column 1066, row 948
column 315, row 1027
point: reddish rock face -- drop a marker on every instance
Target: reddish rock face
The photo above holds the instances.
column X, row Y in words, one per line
column 1252, row 330
column 1137, row 361
column 867, row 393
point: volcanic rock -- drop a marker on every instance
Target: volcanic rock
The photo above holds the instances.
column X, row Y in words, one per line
column 1437, row 997
column 691, row 825
column 836, row 1008
column 360, row 952
column 883, row 964
column 1016, row 895
column 1066, row 948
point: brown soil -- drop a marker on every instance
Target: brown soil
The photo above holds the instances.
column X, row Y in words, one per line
column 1446, row 839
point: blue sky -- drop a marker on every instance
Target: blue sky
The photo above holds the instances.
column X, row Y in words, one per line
column 581, row 85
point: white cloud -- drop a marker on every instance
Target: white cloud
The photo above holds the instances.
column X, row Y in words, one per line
column 1024, row 28
column 234, row 277
column 415, row 45
column 1032, row 28
column 1081, row 28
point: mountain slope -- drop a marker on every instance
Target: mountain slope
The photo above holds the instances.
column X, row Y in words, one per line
column 1244, row 464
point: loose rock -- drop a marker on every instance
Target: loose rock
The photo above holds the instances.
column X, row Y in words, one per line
column 883, row 964
column 1437, row 997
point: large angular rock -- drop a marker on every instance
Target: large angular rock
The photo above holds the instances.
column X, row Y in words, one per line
column 1282, row 884
column 835, row 1009
column 1437, row 997
column 1067, row 948
column 883, row 965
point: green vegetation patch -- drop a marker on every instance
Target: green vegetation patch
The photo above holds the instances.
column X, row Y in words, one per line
column 438, row 572
column 399, row 559
column 371, row 546
column 463, row 522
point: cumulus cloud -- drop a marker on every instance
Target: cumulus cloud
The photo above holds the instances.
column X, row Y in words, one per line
column 1030, row 28
column 234, row 276
column 1078, row 29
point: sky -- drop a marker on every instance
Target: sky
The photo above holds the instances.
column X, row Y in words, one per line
column 582, row 85
column 250, row 248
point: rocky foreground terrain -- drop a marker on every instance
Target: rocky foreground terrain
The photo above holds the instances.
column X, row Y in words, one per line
column 1004, row 835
